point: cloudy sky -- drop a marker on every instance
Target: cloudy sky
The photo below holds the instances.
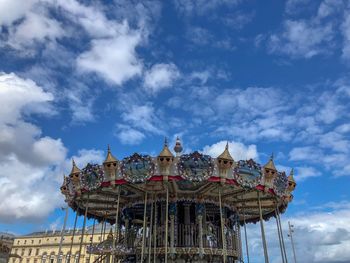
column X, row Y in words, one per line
column 267, row 76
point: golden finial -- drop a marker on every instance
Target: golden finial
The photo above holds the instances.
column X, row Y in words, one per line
column 226, row 154
column 165, row 152
column 110, row 158
column 75, row 169
column 270, row 164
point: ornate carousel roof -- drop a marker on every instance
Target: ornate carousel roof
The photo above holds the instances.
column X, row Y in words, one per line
column 193, row 176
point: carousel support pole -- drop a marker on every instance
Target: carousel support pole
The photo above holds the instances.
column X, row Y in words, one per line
column 246, row 238
column 144, row 228
column 266, row 256
column 172, row 232
column 222, row 229
column 282, row 239
column 116, row 228
column 150, row 232
column 166, row 223
column 71, row 243
column 126, row 233
column 200, row 235
column 279, row 236
column 240, row 242
column 155, row 232
column 83, row 230
column 92, row 237
column 105, row 226
column 62, row 235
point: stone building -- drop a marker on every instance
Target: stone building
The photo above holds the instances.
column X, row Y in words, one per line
column 6, row 242
column 43, row 247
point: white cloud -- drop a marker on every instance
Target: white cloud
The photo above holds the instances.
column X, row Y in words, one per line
column 17, row 95
column 345, row 27
column 160, row 76
column 31, row 165
column 301, row 38
column 113, row 59
column 238, row 150
column 304, row 172
column 12, row 10
column 35, row 28
column 201, row 7
column 128, row 135
column 319, row 237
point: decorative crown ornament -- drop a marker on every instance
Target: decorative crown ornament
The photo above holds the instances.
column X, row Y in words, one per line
column 165, row 159
column 225, row 162
column 110, row 166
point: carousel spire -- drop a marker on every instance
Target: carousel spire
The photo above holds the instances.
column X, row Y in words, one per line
column 270, row 164
column 75, row 168
column 291, row 176
column 178, row 147
column 226, row 154
column 165, row 152
column 110, row 158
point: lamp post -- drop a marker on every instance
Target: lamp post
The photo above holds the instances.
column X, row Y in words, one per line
column 290, row 234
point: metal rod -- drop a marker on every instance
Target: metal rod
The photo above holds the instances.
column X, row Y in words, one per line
column 291, row 240
column 245, row 237
column 71, row 244
column 266, row 256
column 116, row 228
column 62, row 235
column 150, row 232
column 144, row 227
column 282, row 238
column 83, row 230
column 104, row 229
column 279, row 236
column 166, row 223
column 92, row 237
column 155, row 232
column 222, row 229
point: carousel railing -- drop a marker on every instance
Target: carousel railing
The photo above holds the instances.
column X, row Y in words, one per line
column 186, row 235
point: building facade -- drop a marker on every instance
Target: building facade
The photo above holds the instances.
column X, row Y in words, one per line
column 6, row 242
column 43, row 247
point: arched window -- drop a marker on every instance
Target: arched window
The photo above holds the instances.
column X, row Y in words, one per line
column 52, row 257
column 60, row 258
column 76, row 258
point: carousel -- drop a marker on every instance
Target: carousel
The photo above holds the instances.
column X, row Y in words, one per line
column 178, row 207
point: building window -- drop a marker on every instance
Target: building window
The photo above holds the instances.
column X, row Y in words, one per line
column 16, row 251
column 76, row 258
column 39, row 241
column 28, row 260
column 29, row 252
column 60, row 258
column 22, row 253
column 87, row 260
column 43, row 259
column 52, row 258
column 37, row 252
column 35, row 260
column 25, row 242
column 32, row 241
column 17, row 242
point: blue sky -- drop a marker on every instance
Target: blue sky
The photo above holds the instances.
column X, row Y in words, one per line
column 267, row 76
